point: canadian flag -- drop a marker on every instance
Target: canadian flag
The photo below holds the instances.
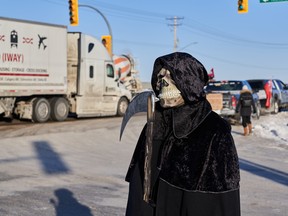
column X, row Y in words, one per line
column 211, row 74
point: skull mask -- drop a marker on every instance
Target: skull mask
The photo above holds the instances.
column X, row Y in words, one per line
column 169, row 94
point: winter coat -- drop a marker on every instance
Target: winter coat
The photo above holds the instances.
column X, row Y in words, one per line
column 193, row 149
column 246, row 103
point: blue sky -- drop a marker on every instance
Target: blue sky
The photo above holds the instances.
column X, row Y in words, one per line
column 237, row 46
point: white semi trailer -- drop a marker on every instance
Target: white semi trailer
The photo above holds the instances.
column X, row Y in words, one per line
column 48, row 73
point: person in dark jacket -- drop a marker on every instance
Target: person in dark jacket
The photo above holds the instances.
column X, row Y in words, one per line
column 245, row 105
column 194, row 167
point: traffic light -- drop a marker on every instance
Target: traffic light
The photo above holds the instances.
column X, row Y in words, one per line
column 242, row 6
column 107, row 42
column 73, row 12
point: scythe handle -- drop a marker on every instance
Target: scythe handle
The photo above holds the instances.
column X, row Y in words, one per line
column 149, row 148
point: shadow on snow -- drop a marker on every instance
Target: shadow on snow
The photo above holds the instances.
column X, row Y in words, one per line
column 265, row 172
column 67, row 204
column 51, row 161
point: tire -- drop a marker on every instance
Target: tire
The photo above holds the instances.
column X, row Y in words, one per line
column 275, row 107
column 122, row 106
column 237, row 119
column 41, row 110
column 59, row 109
column 258, row 111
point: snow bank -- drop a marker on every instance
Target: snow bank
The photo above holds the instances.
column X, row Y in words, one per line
column 272, row 127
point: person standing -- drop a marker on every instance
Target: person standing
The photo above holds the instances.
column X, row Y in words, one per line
column 194, row 165
column 245, row 105
column 268, row 92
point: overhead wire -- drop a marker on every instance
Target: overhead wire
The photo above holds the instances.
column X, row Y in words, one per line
column 191, row 25
column 212, row 32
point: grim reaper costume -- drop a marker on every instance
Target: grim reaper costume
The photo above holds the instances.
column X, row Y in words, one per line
column 194, row 163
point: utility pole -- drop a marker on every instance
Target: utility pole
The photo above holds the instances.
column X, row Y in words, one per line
column 175, row 20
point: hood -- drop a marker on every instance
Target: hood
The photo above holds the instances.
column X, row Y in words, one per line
column 190, row 77
column 189, row 74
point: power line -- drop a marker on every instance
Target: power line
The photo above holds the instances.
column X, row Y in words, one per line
column 227, row 37
column 193, row 25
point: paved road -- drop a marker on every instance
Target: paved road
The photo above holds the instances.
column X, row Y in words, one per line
column 78, row 168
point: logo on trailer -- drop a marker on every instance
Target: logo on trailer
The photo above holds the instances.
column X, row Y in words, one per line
column 41, row 42
column 2, row 37
column 14, row 39
column 27, row 40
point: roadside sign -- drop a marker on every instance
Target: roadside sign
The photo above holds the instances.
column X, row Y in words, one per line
column 269, row 1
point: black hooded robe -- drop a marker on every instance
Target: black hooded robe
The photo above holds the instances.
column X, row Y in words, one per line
column 195, row 168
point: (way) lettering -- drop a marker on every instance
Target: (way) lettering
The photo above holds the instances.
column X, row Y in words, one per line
column 12, row 57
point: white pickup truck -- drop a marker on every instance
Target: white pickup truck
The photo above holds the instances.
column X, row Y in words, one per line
column 279, row 99
column 223, row 96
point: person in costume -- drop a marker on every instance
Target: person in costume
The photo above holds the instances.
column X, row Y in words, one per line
column 194, row 166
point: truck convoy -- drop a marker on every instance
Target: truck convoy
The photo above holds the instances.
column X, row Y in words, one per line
column 48, row 73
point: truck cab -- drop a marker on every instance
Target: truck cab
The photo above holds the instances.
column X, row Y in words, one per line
column 92, row 83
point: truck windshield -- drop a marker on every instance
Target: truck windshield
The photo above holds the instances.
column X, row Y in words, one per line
column 224, row 86
column 257, row 85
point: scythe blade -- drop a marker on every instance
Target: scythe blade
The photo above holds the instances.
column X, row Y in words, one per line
column 138, row 104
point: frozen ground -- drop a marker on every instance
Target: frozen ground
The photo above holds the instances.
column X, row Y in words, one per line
column 82, row 165
column 274, row 127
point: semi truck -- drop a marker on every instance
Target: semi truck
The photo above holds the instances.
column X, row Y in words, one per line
column 48, row 73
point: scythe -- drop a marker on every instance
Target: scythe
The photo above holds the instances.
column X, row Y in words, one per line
column 143, row 102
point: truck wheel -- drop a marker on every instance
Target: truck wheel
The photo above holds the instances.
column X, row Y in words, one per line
column 122, row 106
column 239, row 121
column 41, row 110
column 59, row 109
column 258, row 111
column 275, row 107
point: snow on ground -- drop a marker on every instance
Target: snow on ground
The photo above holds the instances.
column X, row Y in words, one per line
column 273, row 127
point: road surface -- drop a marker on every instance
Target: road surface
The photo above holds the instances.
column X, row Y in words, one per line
column 78, row 168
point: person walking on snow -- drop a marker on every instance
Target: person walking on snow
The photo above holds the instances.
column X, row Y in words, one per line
column 245, row 105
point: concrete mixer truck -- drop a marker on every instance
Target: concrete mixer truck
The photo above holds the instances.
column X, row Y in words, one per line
column 127, row 73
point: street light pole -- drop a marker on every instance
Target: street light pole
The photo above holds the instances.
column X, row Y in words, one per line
column 105, row 19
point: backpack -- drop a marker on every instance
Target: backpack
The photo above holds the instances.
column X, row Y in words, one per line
column 246, row 102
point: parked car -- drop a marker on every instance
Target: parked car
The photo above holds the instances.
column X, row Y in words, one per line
column 279, row 98
column 230, row 93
